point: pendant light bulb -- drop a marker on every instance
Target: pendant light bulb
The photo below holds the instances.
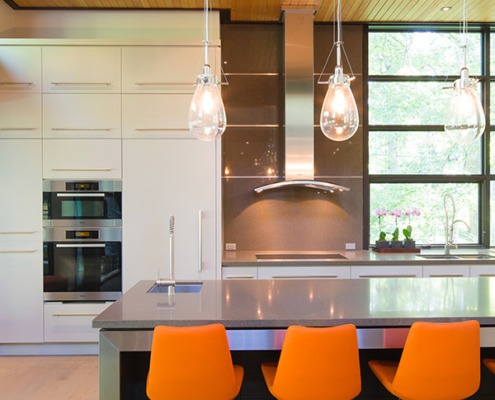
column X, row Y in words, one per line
column 465, row 116
column 339, row 118
column 207, row 118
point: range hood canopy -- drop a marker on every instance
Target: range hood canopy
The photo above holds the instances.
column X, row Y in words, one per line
column 299, row 105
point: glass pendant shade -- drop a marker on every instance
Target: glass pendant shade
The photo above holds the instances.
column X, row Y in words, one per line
column 207, row 118
column 465, row 120
column 339, row 119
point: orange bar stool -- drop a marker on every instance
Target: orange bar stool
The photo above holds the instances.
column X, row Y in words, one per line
column 440, row 361
column 316, row 363
column 190, row 363
column 490, row 364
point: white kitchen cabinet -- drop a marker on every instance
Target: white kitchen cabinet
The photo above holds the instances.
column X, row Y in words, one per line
column 164, row 69
column 481, row 270
column 20, row 69
column 304, row 272
column 167, row 177
column 71, row 322
column 149, row 116
column 81, row 69
column 20, row 115
column 386, row 271
column 435, row 271
column 236, row 273
column 21, row 292
column 21, row 199
column 82, row 158
column 92, row 116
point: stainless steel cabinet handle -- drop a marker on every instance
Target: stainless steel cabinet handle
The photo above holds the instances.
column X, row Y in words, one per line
column 18, row 129
column 239, row 277
column 17, row 232
column 162, row 83
column 82, row 129
column 160, row 129
column 75, row 315
column 80, row 83
column 82, row 169
column 200, row 241
column 486, row 275
column 389, row 276
column 75, row 246
column 304, row 277
column 80, row 194
column 17, row 83
column 17, row 251
column 445, row 275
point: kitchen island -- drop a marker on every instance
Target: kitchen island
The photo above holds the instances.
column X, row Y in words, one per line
column 256, row 314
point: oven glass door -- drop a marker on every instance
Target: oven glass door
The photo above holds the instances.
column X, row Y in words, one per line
column 75, row 267
column 82, row 206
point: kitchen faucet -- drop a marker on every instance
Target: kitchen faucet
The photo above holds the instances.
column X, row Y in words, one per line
column 170, row 282
column 450, row 222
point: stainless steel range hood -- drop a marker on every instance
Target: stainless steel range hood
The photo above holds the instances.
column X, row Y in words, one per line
column 299, row 105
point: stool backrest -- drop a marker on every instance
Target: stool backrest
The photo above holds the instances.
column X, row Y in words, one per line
column 191, row 363
column 440, row 361
column 319, row 363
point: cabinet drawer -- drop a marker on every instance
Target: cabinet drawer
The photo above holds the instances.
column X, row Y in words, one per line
column 387, row 271
column 82, row 158
column 442, row 271
column 162, row 69
column 482, row 270
column 244, row 273
column 20, row 115
column 155, row 116
column 304, row 272
column 94, row 116
column 20, row 69
column 71, row 322
column 81, row 69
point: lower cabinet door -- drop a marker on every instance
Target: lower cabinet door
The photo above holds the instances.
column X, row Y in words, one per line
column 21, row 292
column 71, row 322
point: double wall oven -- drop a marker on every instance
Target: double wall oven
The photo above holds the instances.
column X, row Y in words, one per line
column 82, row 240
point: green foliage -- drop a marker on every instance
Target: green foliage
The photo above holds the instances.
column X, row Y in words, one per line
column 382, row 236
column 408, row 232
column 395, row 234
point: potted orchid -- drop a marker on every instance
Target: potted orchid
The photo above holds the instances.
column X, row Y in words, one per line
column 395, row 242
column 381, row 242
column 409, row 242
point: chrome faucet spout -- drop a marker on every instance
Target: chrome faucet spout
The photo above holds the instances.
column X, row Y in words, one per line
column 450, row 222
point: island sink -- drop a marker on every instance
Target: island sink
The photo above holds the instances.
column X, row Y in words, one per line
column 180, row 287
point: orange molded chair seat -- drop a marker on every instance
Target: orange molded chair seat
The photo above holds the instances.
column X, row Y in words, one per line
column 490, row 364
column 440, row 361
column 191, row 363
column 316, row 363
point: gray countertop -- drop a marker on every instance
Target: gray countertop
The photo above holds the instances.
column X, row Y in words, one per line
column 388, row 302
column 355, row 257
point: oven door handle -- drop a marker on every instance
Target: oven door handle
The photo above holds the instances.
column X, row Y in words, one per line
column 80, row 194
column 96, row 245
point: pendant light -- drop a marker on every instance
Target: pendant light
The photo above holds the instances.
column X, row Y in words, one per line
column 465, row 120
column 207, row 119
column 339, row 118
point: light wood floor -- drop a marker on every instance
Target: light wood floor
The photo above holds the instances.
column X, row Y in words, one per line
column 49, row 378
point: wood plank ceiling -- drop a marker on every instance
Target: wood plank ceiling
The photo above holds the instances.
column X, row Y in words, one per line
column 270, row 10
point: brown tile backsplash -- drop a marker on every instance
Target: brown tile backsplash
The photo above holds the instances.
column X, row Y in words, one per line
column 291, row 218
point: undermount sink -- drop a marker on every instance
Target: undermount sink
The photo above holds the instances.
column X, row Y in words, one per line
column 274, row 257
column 180, row 287
column 457, row 256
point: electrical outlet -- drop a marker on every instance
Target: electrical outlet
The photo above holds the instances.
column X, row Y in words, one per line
column 230, row 246
column 350, row 246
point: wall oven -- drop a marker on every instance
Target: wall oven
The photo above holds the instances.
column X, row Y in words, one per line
column 82, row 264
column 82, row 203
column 82, row 240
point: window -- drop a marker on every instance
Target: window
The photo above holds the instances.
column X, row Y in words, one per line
column 411, row 162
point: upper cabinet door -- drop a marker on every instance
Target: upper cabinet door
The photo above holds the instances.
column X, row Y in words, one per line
column 20, row 69
column 81, row 69
column 163, row 69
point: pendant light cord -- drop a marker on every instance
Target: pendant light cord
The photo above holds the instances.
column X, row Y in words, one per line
column 464, row 32
column 339, row 33
column 206, row 41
